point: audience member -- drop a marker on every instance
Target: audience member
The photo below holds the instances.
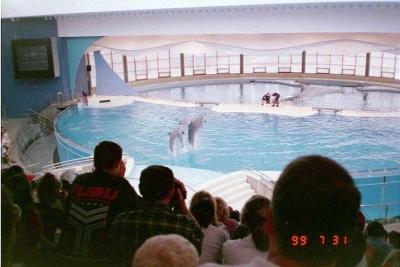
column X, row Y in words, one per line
column 9, row 219
column 51, row 205
column 131, row 229
column 214, row 237
column 204, row 194
column 377, row 247
column 313, row 214
column 394, row 239
column 223, row 216
column 67, row 177
column 234, row 214
column 29, row 232
column 254, row 216
column 11, row 172
column 96, row 200
column 166, row 251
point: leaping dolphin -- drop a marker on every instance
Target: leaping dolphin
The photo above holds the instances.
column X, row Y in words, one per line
column 194, row 126
column 186, row 121
column 177, row 133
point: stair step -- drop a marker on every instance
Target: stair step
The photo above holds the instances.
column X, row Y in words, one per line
column 239, row 195
column 225, row 190
column 225, row 183
column 233, row 190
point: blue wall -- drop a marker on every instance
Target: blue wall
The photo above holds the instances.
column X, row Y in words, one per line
column 20, row 96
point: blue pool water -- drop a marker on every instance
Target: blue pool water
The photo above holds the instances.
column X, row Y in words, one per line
column 230, row 141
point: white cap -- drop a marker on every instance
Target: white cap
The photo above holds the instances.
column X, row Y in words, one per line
column 68, row 175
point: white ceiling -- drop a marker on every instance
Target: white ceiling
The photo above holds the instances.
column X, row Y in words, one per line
column 32, row 8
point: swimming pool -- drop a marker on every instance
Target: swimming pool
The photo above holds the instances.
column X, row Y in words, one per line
column 229, row 142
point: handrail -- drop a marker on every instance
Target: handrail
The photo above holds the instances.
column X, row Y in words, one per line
column 384, row 183
column 260, row 174
column 66, row 162
column 186, row 185
column 72, row 162
column 385, row 205
column 377, row 172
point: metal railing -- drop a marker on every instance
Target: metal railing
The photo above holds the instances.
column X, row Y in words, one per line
column 382, row 208
column 259, row 174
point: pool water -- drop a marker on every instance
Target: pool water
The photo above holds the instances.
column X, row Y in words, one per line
column 231, row 141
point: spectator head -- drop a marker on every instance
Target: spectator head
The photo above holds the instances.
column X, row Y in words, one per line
column 157, row 183
column 254, row 211
column 48, row 189
column 314, row 211
column 203, row 211
column 107, row 155
column 394, row 239
column 375, row 229
column 68, row 176
column 11, row 172
column 235, row 214
column 21, row 191
column 254, row 216
column 222, row 209
column 9, row 218
column 166, row 250
column 204, row 194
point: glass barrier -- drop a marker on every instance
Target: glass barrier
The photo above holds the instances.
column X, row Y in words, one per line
column 163, row 64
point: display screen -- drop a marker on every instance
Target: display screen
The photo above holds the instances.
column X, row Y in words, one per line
column 35, row 58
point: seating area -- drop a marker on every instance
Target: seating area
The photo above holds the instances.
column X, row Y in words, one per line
column 42, row 208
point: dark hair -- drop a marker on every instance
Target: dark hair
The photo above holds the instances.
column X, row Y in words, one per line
column 106, row 155
column 394, row 239
column 156, row 182
column 22, row 193
column 352, row 256
column 9, row 218
column 314, row 196
column 241, row 232
column 375, row 229
column 48, row 189
column 254, row 220
column 204, row 194
column 11, row 172
column 203, row 211
column 235, row 214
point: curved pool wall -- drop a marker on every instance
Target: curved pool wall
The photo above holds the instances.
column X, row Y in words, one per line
column 66, row 148
column 380, row 193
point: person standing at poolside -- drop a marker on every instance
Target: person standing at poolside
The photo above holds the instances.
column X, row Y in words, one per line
column 275, row 102
column 266, row 98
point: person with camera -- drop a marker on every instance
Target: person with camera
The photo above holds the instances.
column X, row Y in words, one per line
column 164, row 211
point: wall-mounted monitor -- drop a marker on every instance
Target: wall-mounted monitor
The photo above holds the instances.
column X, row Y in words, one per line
column 35, row 58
